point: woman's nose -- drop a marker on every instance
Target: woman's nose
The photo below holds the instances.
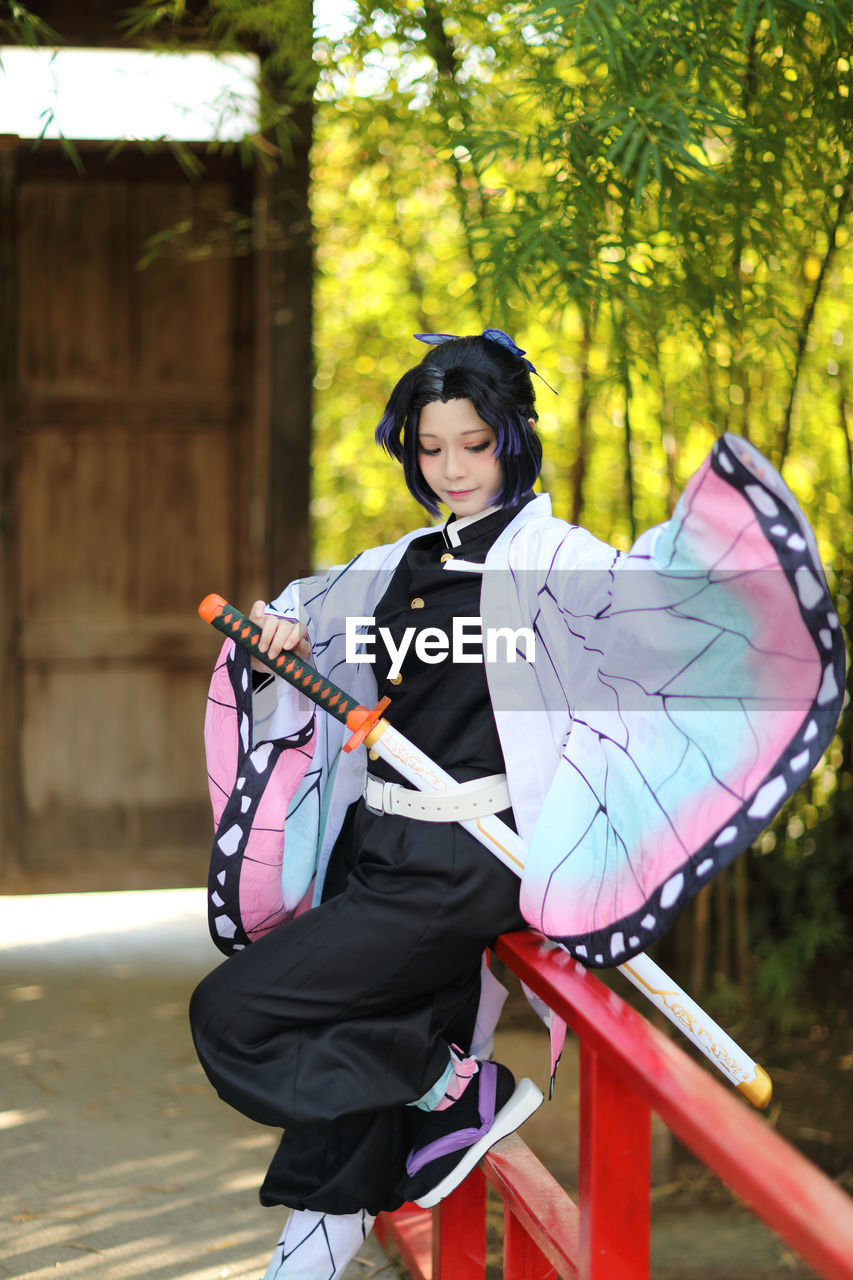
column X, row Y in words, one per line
column 454, row 463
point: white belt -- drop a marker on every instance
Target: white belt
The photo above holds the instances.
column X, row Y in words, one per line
column 466, row 800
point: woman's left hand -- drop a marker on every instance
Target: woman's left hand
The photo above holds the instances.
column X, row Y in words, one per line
column 278, row 634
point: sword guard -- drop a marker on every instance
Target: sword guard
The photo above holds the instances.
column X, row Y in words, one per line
column 362, row 721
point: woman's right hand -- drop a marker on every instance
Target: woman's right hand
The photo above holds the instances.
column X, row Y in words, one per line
column 278, row 634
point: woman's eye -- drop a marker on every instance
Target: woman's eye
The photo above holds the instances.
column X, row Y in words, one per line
column 478, row 448
column 430, row 453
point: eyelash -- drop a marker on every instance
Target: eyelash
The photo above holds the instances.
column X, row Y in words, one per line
column 472, row 448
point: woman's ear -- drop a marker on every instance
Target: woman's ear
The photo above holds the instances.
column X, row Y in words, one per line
column 532, row 422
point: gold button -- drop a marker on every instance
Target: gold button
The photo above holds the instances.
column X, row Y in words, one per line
column 374, row 755
column 417, row 603
column 448, row 555
column 397, row 679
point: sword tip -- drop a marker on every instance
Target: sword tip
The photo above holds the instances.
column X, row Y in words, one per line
column 758, row 1090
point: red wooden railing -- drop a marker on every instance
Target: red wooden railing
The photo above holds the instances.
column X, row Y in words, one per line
column 628, row 1069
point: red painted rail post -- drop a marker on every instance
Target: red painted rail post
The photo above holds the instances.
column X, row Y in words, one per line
column 459, row 1232
column 614, row 1175
column 523, row 1260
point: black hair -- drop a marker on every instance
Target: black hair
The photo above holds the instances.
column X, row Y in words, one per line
column 498, row 385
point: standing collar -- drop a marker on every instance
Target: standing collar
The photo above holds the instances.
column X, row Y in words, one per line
column 453, row 528
column 488, row 524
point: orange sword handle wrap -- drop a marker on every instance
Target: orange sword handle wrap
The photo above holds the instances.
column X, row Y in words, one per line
column 298, row 673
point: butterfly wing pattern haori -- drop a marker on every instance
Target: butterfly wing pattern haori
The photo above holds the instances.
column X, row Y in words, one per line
column 681, row 692
column 714, row 686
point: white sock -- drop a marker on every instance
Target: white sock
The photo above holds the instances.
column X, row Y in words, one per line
column 318, row 1246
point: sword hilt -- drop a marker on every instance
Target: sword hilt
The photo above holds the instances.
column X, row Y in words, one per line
column 234, row 624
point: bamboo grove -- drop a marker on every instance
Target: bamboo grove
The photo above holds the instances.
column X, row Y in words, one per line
column 656, row 201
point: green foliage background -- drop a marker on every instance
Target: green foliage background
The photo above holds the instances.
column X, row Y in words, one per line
column 655, row 202
column 674, row 186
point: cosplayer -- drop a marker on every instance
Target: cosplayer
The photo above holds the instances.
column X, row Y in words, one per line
column 354, row 1011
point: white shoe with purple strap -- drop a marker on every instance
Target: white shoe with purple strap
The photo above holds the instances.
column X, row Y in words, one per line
column 453, row 1141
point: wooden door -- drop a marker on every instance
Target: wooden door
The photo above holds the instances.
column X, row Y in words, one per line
column 132, row 420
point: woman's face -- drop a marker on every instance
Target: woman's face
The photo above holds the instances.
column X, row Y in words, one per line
column 456, row 454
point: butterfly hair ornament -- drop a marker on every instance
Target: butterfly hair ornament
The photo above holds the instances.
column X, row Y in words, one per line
column 494, row 335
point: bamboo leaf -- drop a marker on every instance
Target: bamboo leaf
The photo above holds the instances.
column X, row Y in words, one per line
column 642, row 173
column 616, row 147
column 638, row 138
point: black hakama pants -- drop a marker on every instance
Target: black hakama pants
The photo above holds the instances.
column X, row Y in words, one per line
column 331, row 1024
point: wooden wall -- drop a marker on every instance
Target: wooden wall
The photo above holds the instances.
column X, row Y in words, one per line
column 135, row 430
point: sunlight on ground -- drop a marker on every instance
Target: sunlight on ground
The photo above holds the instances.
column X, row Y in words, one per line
column 55, row 917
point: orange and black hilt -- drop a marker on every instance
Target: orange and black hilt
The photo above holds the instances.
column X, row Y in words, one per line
column 234, row 624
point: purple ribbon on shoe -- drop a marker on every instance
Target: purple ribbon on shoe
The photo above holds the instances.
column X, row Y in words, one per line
column 461, row 1138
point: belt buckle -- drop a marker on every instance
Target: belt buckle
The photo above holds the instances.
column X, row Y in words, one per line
column 387, row 791
column 370, row 785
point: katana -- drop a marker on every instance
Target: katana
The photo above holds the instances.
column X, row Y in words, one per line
column 368, row 726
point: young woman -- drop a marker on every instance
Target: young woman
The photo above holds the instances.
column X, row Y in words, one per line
column 352, row 1025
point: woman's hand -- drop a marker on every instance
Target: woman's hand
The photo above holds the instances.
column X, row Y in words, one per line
column 278, row 634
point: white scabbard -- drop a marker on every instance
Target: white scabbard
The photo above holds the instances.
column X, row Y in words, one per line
column 747, row 1076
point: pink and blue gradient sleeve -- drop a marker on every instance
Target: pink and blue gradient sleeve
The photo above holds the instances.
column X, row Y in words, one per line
column 251, row 788
column 713, row 680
